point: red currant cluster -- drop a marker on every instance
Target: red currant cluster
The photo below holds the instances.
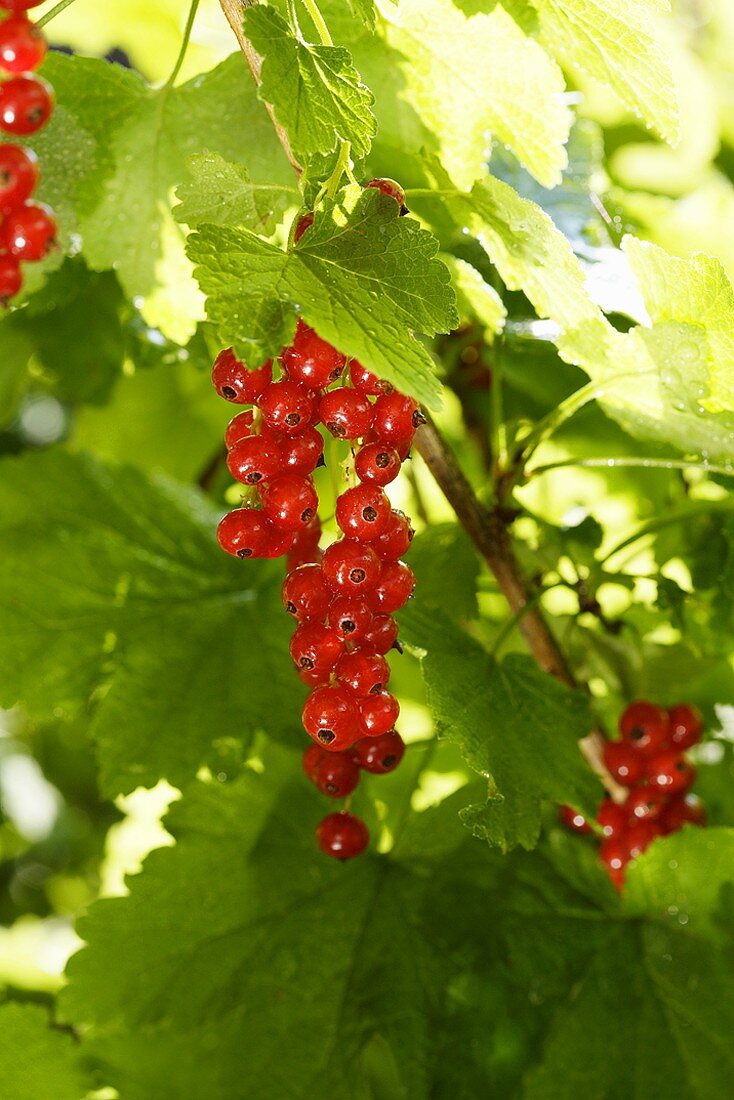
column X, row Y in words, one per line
column 343, row 598
column 27, row 229
column 649, row 758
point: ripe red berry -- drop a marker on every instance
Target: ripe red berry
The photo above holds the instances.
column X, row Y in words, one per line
column 346, row 414
column 286, row 407
column 639, row 837
column 331, row 717
column 26, row 103
column 305, row 546
column 279, row 542
column 612, row 818
column 615, row 856
column 253, row 460
column 363, row 673
column 304, row 222
column 311, row 361
column 11, row 278
column 388, row 187
column 573, row 820
column 19, row 5
column 315, row 648
column 378, row 713
column 313, row 755
column 337, row 775
column 378, row 463
column 395, row 540
column 29, row 232
column 234, row 382
column 645, row 726
column 245, row 533
column 623, row 763
column 382, row 635
column 342, row 836
column 364, row 381
column 682, row 809
column 396, row 418
column 350, row 567
column 22, row 45
column 289, row 501
column 670, row 772
column 301, row 454
column 350, row 617
column 305, row 595
column 380, row 755
column 18, row 176
column 363, row 512
column 239, row 427
column 393, row 589
column 645, row 803
column 686, row 726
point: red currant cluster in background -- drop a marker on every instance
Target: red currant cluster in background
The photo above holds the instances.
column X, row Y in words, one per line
column 649, row 758
column 342, row 598
column 27, row 229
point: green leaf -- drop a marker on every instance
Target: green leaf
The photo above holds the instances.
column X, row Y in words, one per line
column 36, row 1061
column 221, row 193
column 363, row 282
column 115, row 589
column 315, row 91
column 475, row 299
column 446, row 567
column 513, row 723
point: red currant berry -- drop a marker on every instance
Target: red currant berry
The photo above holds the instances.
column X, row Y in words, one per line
column 382, row 635
column 346, row 414
column 19, row 5
column 337, row 775
column 331, row 717
column 234, row 382
column 639, row 837
column 645, row 726
column 315, row 648
column 393, row 589
column 623, row 763
column 572, row 819
column 377, row 463
column 645, row 803
column 363, row 673
column 378, row 713
column 287, row 407
column 29, row 233
column 682, row 809
column 253, row 460
column 305, row 595
column 615, row 856
column 245, row 533
column 686, row 726
column 363, row 513
column 612, row 818
column 22, row 45
column 396, row 418
column 670, row 772
column 350, row 617
column 18, row 176
column 380, row 755
column 305, row 547
column 301, row 454
column 312, row 756
column 11, row 279
column 388, row 187
column 395, row 539
column 311, row 361
column 350, row 567
column 26, row 103
column 364, row 381
column 289, row 501
column 279, row 543
column 402, row 449
column 342, row 836
column 239, row 427
column 304, row 222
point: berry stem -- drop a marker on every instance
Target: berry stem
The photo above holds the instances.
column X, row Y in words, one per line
column 57, row 10
column 184, row 44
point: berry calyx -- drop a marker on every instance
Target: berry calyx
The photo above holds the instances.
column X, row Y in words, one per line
column 686, row 726
column 315, row 648
column 623, row 762
column 26, row 103
column 305, row 594
column 645, row 726
column 342, row 836
column 29, row 232
column 378, row 463
column 350, row 617
column 396, row 418
column 393, row 589
column 289, row 501
column 18, row 176
column 234, row 382
column 346, row 414
column 337, row 775
column 363, row 512
column 388, row 187
column 23, row 45
column 330, row 717
column 379, row 755
column 311, row 361
column 253, row 459
column 286, row 407
column 244, row 533
column 350, row 567
column 378, row 713
column 670, row 772
column 363, row 673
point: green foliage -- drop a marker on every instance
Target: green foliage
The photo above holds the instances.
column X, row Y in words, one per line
column 36, row 1062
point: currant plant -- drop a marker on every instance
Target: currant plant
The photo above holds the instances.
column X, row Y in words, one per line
column 366, row 441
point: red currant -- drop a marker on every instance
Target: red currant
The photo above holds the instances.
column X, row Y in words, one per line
column 305, row 547
column 331, row 717
column 311, row 361
column 623, row 763
column 572, row 819
column 350, row 617
column 337, row 775
column 395, row 539
column 682, row 809
column 11, row 278
column 363, row 513
column 279, row 542
column 645, row 803
column 686, row 726
column 378, row 463
column 312, row 756
column 382, row 635
column 19, row 5
column 393, row 589
column 380, row 755
column 378, row 713
column 402, row 449
column 253, row 460
column 245, row 533
column 670, row 772
column 287, row 407
column 239, row 427
column 363, row 673
column 301, row 454
column 289, row 501
column 639, row 837
column 388, row 187
column 615, row 856
column 346, row 414
column 645, row 726
column 22, row 45
column 234, row 382
column 366, row 382
column 612, row 818
column 396, row 418
column 29, row 233
column 26, row 103
column 350, row 567
column 18, row 176
column 315, row 648
column 305, row 595
column 304, row 222
column 342, row 836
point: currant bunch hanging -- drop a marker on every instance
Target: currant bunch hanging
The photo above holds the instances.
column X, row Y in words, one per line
column 342, row 598
column 649, row 759
column 27, row 229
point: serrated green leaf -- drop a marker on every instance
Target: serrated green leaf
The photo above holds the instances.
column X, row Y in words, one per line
column 475, row 299
column 36, row 1061
column 115, row 587
column 315, row 91
column 221, row 193
column 363, row 282
column 446, row 566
